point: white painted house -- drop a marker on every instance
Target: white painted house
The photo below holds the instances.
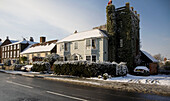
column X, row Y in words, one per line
column 89, row 45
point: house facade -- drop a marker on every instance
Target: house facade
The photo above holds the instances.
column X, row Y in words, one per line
column 39, row 50
column 89, row 45
column 10, row 50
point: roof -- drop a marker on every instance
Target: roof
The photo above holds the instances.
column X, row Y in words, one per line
column 13, row 41
column 40, row 48
column 21, row 42
column 95, row 33
column 149, row 56
column 44, row 43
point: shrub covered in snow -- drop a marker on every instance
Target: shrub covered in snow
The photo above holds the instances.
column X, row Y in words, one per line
column 7, row 62
column 105, row 76
column 122, row 69
column 41, row 66
column 51, row 58
column 85, row 68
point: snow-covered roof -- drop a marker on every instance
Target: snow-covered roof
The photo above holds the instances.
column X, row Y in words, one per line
column 149, row 56
column 13, row 41
column 95, row 33
column 21, row 42
column 0, row 43
column 142, row 67
column 40, row 48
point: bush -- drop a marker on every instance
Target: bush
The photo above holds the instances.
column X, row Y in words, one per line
column 85, row 68
column 7, row 62
column 41, row 66
column 17, row 66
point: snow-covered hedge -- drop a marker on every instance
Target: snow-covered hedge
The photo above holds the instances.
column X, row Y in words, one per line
column 41, row 66
column 86, row 69
column 17, row 66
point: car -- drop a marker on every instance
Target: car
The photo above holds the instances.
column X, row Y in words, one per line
column 142, row 70
column 26, row 68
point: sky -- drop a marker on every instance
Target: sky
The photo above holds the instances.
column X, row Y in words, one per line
column 56, row 19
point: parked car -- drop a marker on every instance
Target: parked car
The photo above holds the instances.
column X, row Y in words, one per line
column 27, row 68
column 142, row 70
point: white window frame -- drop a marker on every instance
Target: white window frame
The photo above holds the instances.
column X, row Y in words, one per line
column 11, row 54
column 11, row 47
column 5, row 54
column 14, row 54
column 14, row 46
column 88, row 55
column 17, row 46
column 17, row 53
column 89, row 47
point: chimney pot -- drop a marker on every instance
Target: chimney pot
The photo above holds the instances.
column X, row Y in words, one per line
column 42, row 39
column 31, row 39
column 75, row 31
column 135, row 12
column 132, row 8
column 128, row 5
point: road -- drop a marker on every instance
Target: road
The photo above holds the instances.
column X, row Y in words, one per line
column 20, row 88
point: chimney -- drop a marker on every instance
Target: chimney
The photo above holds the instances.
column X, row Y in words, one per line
column 0, row 40
column 75, row 31
column 132, row 8
column 31, row 39
column 135, row 12
column 42, row 39
column 128, row 5
column 7, row 37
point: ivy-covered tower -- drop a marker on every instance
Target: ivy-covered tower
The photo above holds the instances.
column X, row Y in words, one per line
column 123, row 31
column 111, row 30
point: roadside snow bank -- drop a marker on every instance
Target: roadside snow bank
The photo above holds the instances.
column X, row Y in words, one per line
column 156, row 79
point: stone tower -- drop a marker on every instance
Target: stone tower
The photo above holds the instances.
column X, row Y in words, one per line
column 123, row 31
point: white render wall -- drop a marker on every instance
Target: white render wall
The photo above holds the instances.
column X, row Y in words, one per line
column 101, row 51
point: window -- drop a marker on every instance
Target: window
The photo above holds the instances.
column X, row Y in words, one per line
column 88, row 44
column 8, row 55
column 14, row 54
column 18, row 53
column 38, row 54
column 121, row 42
column 76, row 45
column 93, row 44
column 5, row 54
column 93, row 58
column 11, row 47
column 4, row 48
column 61, row 47
column 88, row 58
column 14, row 46
column 18, row 46
column 66, row 46
column 11, row 54
column 46, row 54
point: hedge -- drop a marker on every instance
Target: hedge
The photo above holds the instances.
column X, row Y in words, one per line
column 85, row 68
column 41, row 66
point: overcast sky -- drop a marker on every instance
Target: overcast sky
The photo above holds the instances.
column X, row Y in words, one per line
column 56, row 19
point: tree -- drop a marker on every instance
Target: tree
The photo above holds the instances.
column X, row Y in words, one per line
column 158, row 57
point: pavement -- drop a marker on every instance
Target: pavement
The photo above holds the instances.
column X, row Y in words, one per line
column 21, row 88
column 120, row 86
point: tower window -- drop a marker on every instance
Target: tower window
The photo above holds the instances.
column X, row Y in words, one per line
column 121, row 42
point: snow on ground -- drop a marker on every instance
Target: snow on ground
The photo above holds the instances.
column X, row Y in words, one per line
column 153, row 79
